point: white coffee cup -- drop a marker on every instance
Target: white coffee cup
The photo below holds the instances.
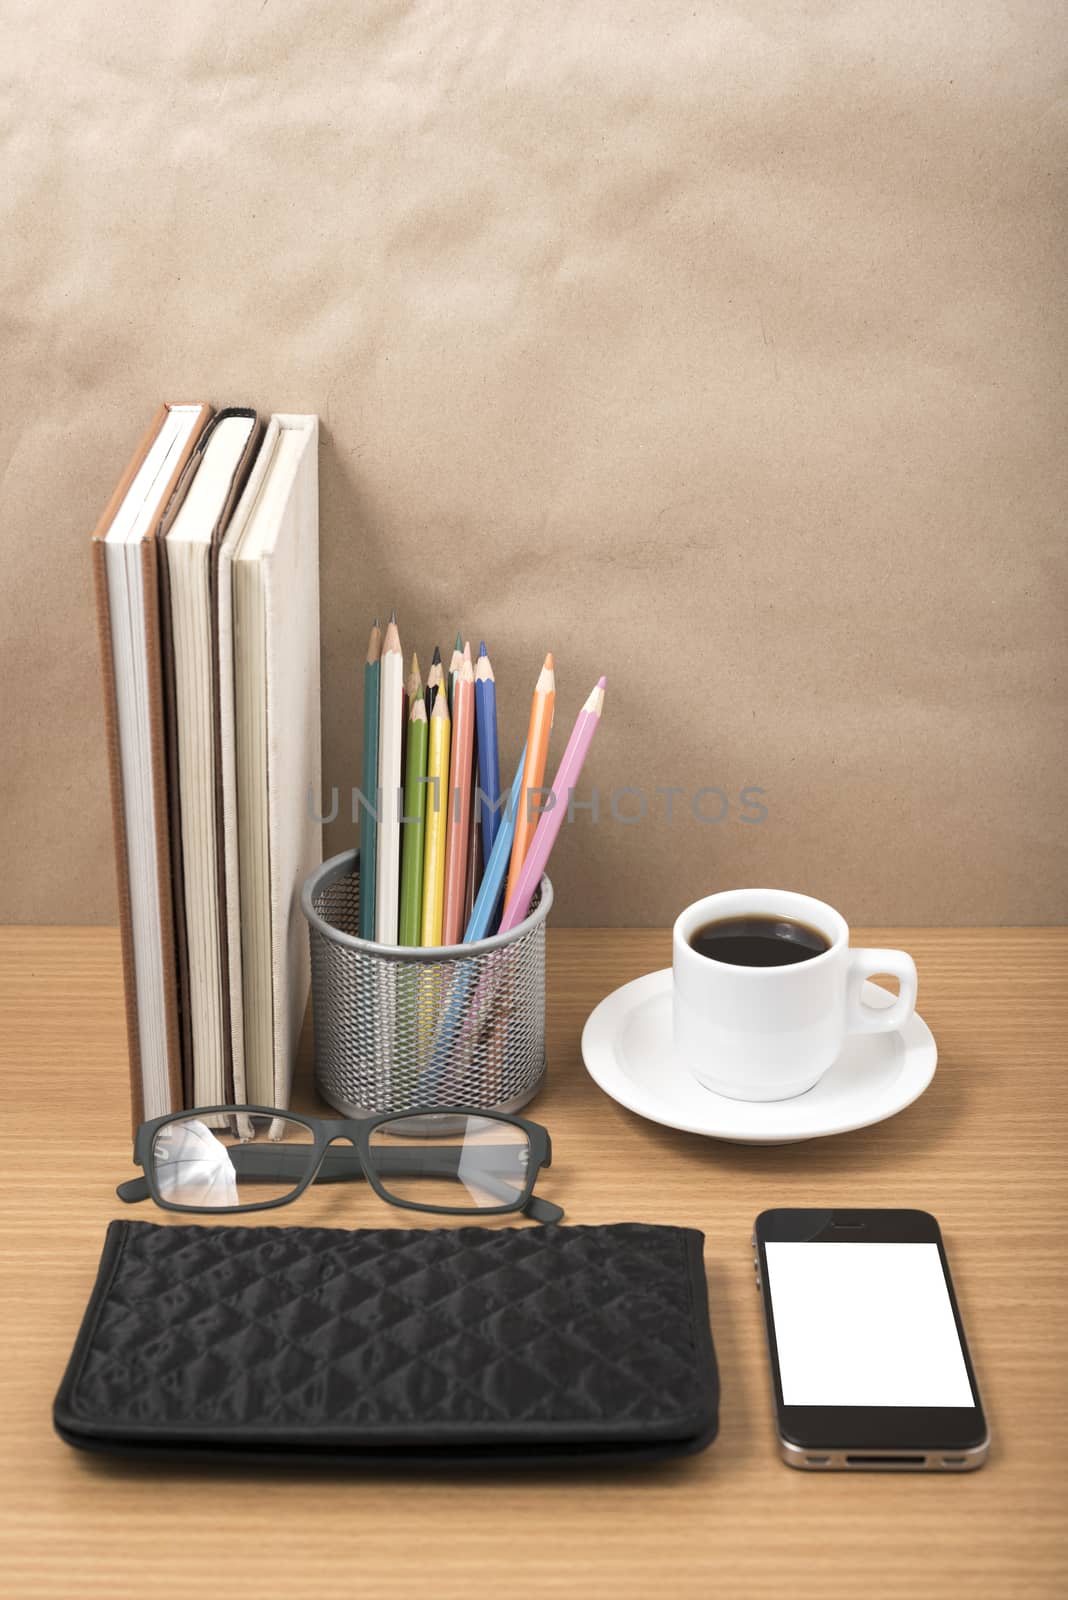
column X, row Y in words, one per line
column 768, row 1033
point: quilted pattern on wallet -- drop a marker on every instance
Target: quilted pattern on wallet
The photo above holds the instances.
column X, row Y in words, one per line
column 591, row 1331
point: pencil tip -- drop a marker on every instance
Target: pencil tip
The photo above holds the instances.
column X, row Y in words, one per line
column 375, row 623
column 482, row 647
column 459, row 640
column 602, row 683
column 393, row 616
column 550, row 664
column 437, row 657
column 467, row 651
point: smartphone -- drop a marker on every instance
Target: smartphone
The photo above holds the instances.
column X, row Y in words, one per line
column 869, row 1362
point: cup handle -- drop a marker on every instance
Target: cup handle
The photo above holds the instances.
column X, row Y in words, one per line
column 862, row 1018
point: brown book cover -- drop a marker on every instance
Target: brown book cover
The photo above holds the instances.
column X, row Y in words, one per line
column 149, row 571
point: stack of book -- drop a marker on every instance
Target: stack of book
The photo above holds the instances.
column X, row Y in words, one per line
column 206, row 563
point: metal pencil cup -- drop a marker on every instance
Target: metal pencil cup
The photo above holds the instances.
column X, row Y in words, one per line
column 458, row 1025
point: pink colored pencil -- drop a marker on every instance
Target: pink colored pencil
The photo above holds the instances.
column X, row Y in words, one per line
column 551, row 820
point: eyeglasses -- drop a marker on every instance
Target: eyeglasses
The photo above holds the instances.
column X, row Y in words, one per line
column 251, row 1158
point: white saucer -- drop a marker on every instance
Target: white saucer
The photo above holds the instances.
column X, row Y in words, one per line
column 627, row 1048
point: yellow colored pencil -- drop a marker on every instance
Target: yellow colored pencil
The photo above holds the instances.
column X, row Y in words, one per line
column 463, row 746
column 437, row 812
column 434, row 680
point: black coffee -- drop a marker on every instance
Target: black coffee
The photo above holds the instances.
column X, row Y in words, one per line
column 759, row 941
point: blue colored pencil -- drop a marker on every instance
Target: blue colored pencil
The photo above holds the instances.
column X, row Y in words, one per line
column 369, row 784
column 484, row 910
column 483, row 919
column 489, row 768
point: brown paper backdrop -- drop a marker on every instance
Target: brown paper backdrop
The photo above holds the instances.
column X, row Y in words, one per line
column 718, row 348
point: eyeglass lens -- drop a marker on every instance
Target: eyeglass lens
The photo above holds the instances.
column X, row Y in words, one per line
column 218, row 1160
column 465, row 1163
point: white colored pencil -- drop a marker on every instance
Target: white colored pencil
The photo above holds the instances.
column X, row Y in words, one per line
column 390, row 736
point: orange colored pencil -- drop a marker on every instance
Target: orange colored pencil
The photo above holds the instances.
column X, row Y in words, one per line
column 541, row 721
column 459, row 801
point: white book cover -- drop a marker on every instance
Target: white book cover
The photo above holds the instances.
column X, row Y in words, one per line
column 271, row 751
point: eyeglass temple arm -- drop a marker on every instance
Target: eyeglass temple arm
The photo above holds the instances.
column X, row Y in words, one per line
column 262, row 1163
column 543, row 1210
column 133, row 1189
column 265, row 1163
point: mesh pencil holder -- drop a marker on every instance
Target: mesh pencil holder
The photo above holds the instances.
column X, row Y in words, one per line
column 458, row 1025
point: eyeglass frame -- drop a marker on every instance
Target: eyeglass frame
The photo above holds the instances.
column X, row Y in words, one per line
column 357, row 1131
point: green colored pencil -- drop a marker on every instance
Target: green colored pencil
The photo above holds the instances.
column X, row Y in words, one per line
column 369, row 784
column 413, row 824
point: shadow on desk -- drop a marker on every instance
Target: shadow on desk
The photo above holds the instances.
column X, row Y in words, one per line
column 680, row 1470
column 920, row 1132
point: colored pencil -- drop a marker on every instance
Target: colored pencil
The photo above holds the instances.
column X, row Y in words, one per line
column 415, row 678
column 471, row 996
column 541, row 721
column 567, row 775
column 483, row 913
column 436, row 830
column 433, row 680
column 489, row 767
column 473, row 875
column 390, row 731
column 413, row 823
column 413, row 682
column 463, row 733
column 451, row 1019
column 455, row 663
column 369, row 783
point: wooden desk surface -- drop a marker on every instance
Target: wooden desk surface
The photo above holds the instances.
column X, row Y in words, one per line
column 983, row 1150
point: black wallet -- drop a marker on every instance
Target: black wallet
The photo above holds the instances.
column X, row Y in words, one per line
column 518, row 1346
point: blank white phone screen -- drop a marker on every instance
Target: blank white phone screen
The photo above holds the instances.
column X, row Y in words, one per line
column 864, row 1325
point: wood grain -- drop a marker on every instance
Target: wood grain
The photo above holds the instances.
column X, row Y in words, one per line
column 982, row 1149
